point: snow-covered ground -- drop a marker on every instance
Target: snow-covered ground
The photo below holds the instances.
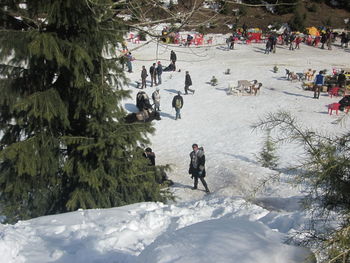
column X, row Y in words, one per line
column 226, row 225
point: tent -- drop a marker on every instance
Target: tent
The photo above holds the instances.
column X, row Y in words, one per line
column 313, row 31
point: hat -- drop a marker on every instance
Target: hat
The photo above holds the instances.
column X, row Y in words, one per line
column 186, row 71
column 179, row 92
column 148, row 150
column 157, row 88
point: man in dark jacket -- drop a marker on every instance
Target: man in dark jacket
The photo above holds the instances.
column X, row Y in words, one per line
column 143, row 77
column 188, row 83
column 341, row 79
column 173, row 57
column 197, row 166
column 159, row 72
column 153, row 73
column 177, row 103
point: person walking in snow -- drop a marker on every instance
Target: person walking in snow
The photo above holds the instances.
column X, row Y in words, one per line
column 178, row 103
column 156, row 99
column 188, row 83
column 197, row 166
column 159, row 70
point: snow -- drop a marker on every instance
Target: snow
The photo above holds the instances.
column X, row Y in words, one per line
column 238, row 221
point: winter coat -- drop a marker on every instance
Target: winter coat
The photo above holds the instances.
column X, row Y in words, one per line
column 144, row 73
column 156, row 96
column 197, row 164
column 159, row 69
column 142, row 101
column 174, row 102
column 173, row 56
column 319, row 79
column 188, row 81
column 152, row 70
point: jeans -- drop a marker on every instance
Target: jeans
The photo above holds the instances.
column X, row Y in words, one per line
column 159, row 78
column 178, row 113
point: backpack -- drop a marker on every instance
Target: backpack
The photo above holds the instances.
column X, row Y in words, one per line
column 178, row 103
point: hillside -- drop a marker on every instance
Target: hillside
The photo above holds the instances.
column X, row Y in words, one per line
column 310, row 13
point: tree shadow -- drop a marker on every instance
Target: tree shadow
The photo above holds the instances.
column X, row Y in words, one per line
column 240, row 157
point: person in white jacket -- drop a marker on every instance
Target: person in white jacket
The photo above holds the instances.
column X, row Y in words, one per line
column 156, row 99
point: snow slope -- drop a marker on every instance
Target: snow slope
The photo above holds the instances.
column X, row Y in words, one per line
column 227, row 225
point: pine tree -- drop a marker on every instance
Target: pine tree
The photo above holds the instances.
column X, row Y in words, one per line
column 324, row 173
column 267, row 156
column 64, row 143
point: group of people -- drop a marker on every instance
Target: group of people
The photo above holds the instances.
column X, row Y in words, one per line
column 320, row 79
column 156, row 71
column 196, row 167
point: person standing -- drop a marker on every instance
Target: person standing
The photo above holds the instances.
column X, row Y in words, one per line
column 178, row 103
column 173, row 58
column 319, row 81
column 129, row 58
column 197, row 166
column 156, row 99
column 159, row 72
column 188, row 83
column 149, row 154
column 341, row 79
column 153, row 73
column 143, row 77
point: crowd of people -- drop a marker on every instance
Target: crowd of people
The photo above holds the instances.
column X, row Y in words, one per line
column 197, row 157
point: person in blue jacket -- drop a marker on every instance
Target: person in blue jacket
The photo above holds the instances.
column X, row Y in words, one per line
column 319, row 82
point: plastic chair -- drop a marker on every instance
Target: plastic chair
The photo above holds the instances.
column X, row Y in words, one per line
column 334, row 91
column 332, row 107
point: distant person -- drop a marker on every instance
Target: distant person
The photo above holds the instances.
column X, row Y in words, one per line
column 129, row 58
column 188, row 83
column 171, row 67
column 232, row 42
column 341, row 79
column 153, row 73
column 149, row 154
column 319, row 82
column 173, row 57
column 268, row 46
column 143, row 77
column 188, row 40
column 156, row 99
column 197, row 166
column 159, row 71
column 178, row 103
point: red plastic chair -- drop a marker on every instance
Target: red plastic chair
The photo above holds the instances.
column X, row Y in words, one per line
column 332, row 107
column 334, row 91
